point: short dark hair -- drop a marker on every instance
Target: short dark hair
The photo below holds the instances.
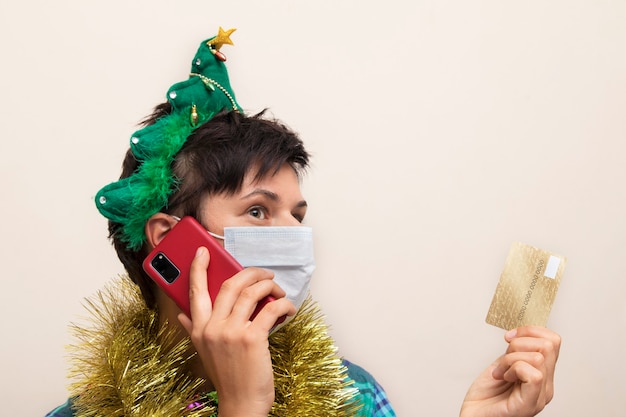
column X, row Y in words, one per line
column 214, row 160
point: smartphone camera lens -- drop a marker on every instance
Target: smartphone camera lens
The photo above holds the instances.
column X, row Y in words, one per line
column 165, row 268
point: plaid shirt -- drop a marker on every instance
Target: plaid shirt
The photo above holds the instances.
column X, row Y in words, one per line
column 373, row 396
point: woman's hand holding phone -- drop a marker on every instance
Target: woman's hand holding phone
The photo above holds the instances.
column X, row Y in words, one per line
column 235, row 350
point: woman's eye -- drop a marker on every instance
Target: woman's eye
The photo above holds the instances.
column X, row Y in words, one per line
column 257, row 212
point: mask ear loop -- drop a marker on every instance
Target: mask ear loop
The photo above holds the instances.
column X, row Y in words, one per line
column 215, row 235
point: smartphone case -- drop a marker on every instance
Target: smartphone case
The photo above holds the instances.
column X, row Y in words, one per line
column 178, row 248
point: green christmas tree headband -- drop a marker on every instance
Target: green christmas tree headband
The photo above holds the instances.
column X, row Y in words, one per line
column 133, row 200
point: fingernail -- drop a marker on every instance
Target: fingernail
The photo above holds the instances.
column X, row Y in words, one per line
column 511, row 334
column 200, row 251
column 497, row 373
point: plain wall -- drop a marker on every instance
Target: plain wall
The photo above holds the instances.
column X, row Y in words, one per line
column 442, row 131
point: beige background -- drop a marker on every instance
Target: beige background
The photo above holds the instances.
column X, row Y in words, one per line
column 442, row 131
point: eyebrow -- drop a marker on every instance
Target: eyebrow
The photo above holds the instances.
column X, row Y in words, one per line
column 272, row 196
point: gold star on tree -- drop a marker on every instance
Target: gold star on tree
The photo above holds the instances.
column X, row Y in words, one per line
column 223, row 37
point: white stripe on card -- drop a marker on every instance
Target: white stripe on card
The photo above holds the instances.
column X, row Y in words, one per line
column 552, row 267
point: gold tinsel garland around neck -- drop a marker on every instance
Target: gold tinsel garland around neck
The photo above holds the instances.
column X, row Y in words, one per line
column 120, row 367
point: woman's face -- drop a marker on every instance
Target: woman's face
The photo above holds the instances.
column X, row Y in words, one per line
column 274, row 200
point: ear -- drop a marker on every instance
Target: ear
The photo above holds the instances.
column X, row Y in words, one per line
column 157, row 227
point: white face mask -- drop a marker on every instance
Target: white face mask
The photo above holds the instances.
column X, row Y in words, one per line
column 285, row 250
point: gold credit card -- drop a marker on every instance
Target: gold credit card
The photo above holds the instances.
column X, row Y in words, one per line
column 527, row 287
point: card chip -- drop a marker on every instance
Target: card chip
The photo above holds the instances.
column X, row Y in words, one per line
column 552, row 267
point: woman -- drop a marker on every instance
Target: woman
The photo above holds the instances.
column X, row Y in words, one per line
column 200, row 156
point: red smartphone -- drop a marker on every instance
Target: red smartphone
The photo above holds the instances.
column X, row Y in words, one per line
column 169, row 264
